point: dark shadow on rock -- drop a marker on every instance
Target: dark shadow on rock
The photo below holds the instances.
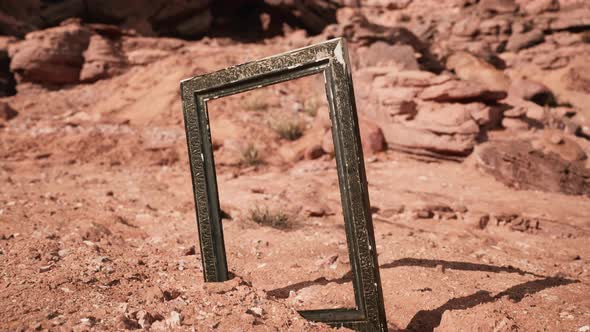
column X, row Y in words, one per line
column 428, row 320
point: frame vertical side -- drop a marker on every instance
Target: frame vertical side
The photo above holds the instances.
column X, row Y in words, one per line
column 196, row 161
column 221, row 273
column 348, row 140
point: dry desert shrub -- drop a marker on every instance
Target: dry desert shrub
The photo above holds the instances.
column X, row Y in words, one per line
column 251, row 156
column 288, row 127
column 273, row 218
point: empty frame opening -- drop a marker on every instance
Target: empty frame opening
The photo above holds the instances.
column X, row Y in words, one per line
column 279, row 193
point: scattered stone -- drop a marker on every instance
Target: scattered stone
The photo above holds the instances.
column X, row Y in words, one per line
column 222, row 287
column 127, row 323
column 175, row 319
column 190, row 251
column 255, row 311
column 327, row 261
column 45, row 268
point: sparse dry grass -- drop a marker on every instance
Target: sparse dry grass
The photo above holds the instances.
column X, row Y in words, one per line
column 251, row 156
column 289, row 128
column 256, row 101
column 276, row 219
column 310, row 106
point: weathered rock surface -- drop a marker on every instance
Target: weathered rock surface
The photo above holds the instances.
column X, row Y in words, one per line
column 461, row 91
column 524, row 40
column 50, row 56
column 103, row 58
column 517, row 164
column 471, row 68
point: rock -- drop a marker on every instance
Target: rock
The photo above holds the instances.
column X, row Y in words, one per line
column 364, row 33
column 498, row 6
column 50, row 56
column 175, row 319
column 384, row 54
column 371, row 136
column 313, row 152
column 421, row 141
column 520, row 41
column 536, row 7
column 495, row 26
column 576, row 18
column 577, row 78
column 222, row 287
column 7, row 113
column 471, row 68
column 461, row 91
column 485, row 116
column 127, row 323
column 531, row 91
column 255, row 311
column 445, row 119
column 467, row 27
column 517, row 164
column 102, row 59
column 515, row 124
column 558, row 142
column 520, row 108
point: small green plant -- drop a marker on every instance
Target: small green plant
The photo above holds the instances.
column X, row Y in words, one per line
column 586, row 37
column 288, row 128
column 251, row 156
column 266, row 217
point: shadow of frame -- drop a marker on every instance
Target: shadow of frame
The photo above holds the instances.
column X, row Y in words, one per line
column 428, row 320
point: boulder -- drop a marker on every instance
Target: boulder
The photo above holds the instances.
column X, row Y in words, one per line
column 468, row 67
column 519, row 41
column 102, row 59
column 372, row 138
column 562, row 144
column 422, row 141
column 518, row 164
column 383, row 54
column 445, row 119
column 461, row 91
column 54, row 55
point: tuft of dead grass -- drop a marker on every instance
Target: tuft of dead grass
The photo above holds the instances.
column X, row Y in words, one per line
column 288, row 128
column 275, row 219
column 256, row 101
column 251, row 156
